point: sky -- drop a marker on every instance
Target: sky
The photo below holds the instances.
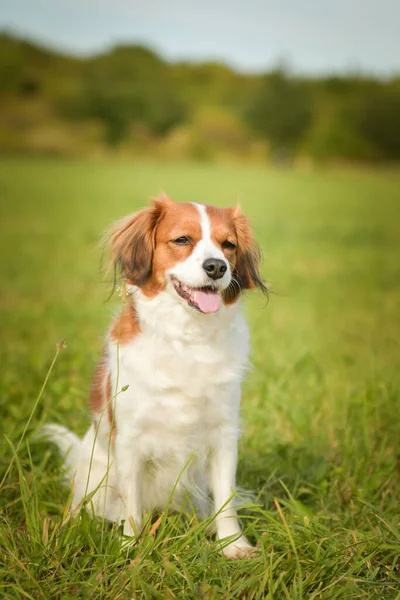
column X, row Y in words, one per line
column 309, row 36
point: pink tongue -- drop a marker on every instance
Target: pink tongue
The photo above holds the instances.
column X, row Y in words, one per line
column 208, row 302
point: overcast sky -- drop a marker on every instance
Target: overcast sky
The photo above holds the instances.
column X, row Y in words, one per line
column 312, row 36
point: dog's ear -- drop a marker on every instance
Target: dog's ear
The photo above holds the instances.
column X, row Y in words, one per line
column 246, row 272
column 132, row 242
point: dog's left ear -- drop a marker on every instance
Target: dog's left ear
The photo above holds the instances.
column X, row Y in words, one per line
column 247, row 269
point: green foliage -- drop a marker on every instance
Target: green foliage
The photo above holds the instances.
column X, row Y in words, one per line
column 281, row 111
column 129, row 100
column 337, row 136
column 210, row 84
column 378, row 119
column 320, row 430
column 128, row 86
column 213, row 129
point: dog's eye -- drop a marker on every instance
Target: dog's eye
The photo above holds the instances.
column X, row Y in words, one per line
column 184, row 240
column 228, row 245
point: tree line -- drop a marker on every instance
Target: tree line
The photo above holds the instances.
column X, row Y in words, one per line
column 132, row 100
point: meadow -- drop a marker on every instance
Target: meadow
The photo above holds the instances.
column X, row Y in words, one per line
column 320, row 409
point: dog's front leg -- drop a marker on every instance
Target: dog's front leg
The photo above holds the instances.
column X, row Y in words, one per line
column 128, row 468
column 223, row 475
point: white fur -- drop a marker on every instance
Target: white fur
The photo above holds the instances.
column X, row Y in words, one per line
column 178, row 420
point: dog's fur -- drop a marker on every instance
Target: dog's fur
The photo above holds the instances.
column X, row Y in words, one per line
column 165, row 396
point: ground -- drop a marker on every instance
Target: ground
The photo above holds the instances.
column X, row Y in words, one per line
column 320, row 442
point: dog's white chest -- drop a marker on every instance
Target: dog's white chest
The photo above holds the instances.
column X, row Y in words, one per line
column 178, row 387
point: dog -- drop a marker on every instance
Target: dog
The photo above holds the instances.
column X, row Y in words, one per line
column 165, row 395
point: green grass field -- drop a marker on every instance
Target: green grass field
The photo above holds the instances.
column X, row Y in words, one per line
column 320, row 444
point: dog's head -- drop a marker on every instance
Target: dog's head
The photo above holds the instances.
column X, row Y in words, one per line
column 200, row 254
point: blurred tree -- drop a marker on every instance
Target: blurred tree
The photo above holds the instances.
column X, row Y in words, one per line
column 281, row 110
column 215, row 130
column 27, row 69
column 126, row 87
column 210, row 84
column 337, row 137
column 130, row 95
column 377, row 117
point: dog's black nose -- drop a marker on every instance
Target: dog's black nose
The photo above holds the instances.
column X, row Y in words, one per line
column 215, row 267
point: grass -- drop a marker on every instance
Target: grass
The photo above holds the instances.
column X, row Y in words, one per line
column 320, row 443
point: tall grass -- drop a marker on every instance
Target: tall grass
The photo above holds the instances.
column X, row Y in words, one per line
column 320, row 407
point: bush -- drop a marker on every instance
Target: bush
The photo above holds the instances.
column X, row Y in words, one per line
column 281, row 111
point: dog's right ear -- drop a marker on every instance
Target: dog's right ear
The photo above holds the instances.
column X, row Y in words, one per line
column 132, row 243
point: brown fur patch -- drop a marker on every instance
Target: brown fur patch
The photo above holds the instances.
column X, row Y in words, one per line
column 223, row 230
column 245, row 260
column 98, row 388
column 132, row 242
column 110, row 414
column 100, row 398
column 176, row 221
column 126, row 325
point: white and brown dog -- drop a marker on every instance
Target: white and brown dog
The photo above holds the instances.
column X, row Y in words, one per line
column 165, row 396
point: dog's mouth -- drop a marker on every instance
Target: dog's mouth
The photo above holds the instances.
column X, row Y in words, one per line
column 205, row 299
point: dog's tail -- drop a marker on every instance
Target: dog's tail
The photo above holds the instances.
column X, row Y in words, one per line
column 68, row 443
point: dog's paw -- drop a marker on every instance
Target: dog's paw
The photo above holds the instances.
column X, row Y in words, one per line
column 240, row 549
